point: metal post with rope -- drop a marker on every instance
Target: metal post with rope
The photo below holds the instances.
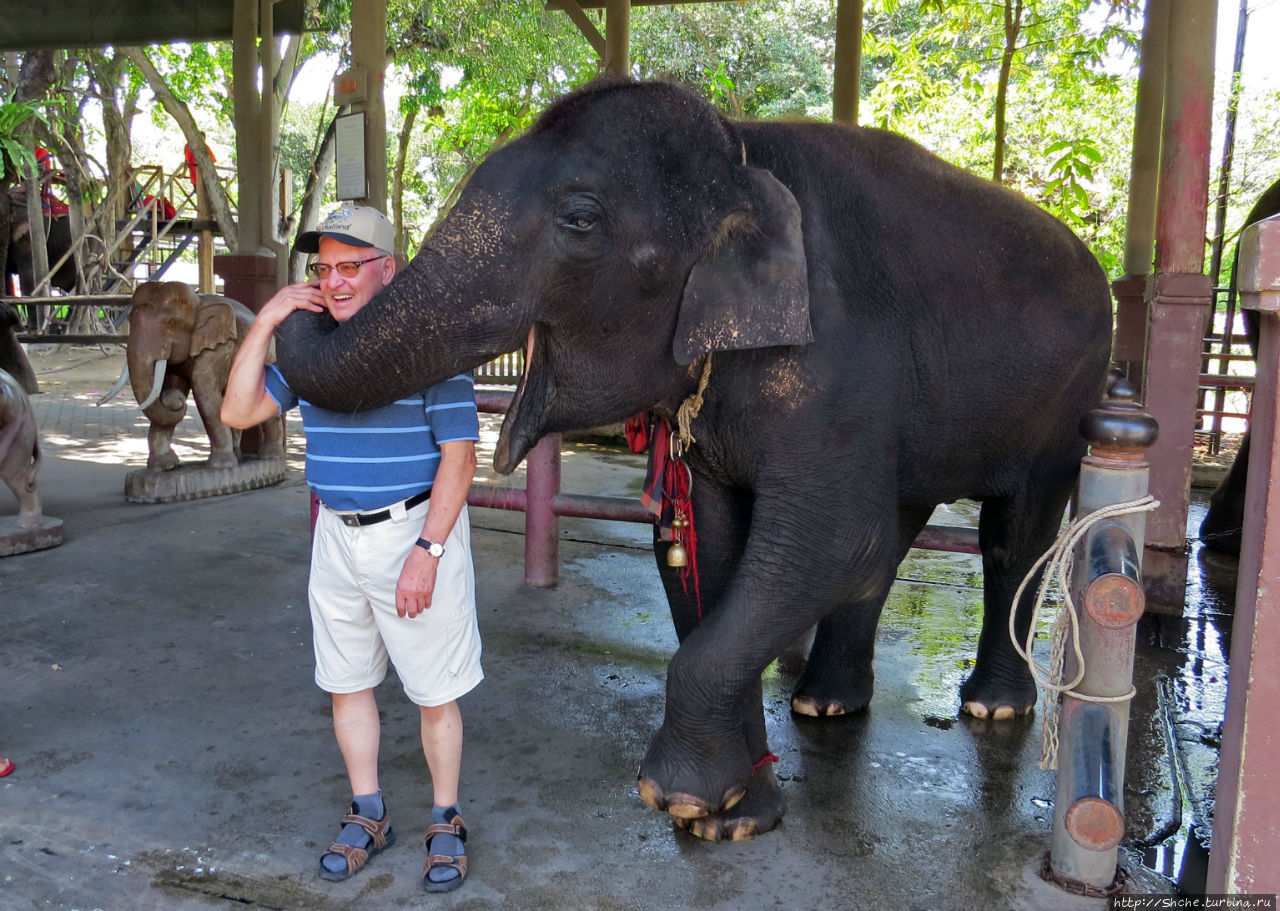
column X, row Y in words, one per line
column 1097, row 563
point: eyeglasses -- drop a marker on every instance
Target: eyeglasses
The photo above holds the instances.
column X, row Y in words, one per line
column 346, row 270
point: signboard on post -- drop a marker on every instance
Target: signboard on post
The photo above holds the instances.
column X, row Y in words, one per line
column 351, row 87
column 349, row 156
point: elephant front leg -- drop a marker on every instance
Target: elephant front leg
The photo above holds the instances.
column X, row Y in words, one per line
column 709, row 759
column 705, row 759
column 838, row 678
column 160, row 454
column 722, row 519
column 165, row 414
column 762, row 805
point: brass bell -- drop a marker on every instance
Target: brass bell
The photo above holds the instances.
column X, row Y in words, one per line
column 677, row 556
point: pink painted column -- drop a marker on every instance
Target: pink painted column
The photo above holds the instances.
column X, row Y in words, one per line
column 1246, row 823
column 1130, row 290
column 1181, row 294
column 541, row 524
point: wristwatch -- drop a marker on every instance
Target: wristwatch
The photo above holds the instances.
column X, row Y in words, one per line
column 431, row 547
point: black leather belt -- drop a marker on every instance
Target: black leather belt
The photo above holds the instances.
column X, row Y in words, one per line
column 356, row 519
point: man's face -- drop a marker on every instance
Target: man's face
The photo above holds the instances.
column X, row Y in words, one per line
column 342, row 295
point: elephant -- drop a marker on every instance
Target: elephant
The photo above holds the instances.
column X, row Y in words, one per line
column 182, row 342
column 57, row 241
column 19, row 450
column 1223, row 522
column 13, row 359
column 846, row 331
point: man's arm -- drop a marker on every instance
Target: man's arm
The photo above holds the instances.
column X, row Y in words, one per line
column 448, row 496
column 246, row 401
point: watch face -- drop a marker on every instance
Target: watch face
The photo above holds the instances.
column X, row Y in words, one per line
column 436, row 550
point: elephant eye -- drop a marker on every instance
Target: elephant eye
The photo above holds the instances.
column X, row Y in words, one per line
column 579, row 214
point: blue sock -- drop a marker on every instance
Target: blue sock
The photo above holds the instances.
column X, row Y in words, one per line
column 445, row 844
column 369, row 806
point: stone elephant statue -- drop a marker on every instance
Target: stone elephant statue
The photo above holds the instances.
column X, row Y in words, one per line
column 181, row 343
column 13, row 360
column 19, row 449
column 854, row 331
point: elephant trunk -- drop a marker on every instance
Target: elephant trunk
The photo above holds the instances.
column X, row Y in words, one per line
column 157, row 384
column 453, row 308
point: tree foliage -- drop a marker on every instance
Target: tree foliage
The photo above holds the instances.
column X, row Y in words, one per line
column 1038, row 93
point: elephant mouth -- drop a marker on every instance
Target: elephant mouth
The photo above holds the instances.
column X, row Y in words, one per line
column 527, row 414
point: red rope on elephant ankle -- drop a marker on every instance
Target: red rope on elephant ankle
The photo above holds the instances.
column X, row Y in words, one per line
column 766, row 759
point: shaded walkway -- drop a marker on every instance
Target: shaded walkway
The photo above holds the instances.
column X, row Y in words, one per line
column 173, row 752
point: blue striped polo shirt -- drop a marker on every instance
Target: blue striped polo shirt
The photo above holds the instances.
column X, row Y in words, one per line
column 370, row 459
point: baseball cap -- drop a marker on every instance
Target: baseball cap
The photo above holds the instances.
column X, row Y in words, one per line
column 359, row 226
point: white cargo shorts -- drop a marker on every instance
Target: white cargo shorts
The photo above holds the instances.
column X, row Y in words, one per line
column 355, row 629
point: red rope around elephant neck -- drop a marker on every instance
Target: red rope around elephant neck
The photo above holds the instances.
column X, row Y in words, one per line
column 667, row 491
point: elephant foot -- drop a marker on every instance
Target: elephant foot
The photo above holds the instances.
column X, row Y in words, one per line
column 997, row 699
column 165, row 461
column 28, row 519
column 759, row 810
column 271, row 451
column 223, row 460
column 691, row 783
column 818, row 698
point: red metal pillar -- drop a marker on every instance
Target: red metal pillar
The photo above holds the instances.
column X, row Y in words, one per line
column 249, row 278
column 1181, row 294
column 541, row 524
column 1246, row 823
column 1140, row 226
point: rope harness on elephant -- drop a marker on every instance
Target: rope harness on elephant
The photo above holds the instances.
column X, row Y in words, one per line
column 668, row 483
column 1060, row 560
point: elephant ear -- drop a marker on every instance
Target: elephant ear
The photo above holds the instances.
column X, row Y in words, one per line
column 751, row 288
column 215, row 324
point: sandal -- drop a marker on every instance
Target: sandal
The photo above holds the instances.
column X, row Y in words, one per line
column 382, row 835
column 458, row 829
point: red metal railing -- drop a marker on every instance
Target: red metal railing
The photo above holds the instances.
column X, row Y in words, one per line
column 543, row 504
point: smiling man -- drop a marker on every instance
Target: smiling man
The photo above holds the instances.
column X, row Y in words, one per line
column 391, row 573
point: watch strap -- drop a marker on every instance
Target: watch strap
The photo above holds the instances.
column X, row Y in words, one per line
column 431, row 547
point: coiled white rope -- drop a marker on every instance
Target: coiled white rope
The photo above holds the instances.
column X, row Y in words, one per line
column 1061, row 561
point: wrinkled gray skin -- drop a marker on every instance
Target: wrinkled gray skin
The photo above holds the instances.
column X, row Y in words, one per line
column 19, row 449
column 888, row 333
column 196, row 335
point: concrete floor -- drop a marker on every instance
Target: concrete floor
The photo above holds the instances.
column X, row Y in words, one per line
column 173, row 752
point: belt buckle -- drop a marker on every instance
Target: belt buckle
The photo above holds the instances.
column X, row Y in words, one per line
column 349, row 519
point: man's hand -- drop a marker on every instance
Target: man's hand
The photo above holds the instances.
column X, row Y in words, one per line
column 302, row 296
column 416, row 584
column 245, row 401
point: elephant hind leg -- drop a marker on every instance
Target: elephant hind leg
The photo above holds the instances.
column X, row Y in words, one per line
column 1013, row 532
column 838, row 678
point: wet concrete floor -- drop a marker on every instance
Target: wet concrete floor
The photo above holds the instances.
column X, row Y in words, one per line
column 173, row 752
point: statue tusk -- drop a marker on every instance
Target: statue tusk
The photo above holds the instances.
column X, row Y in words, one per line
column 115, row 390
column 157, row 380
